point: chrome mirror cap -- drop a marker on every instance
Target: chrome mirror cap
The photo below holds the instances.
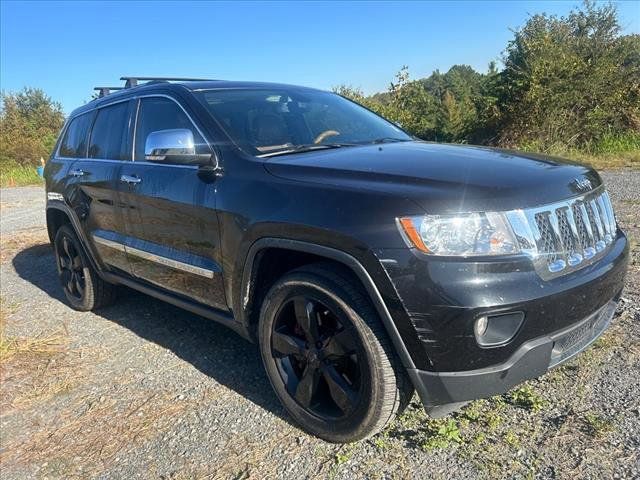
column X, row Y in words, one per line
column 170, row 145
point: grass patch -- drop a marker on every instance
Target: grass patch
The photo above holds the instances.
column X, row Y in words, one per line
column 526, row 397
column 14, row 175
column 607, row 161
column 597, row 426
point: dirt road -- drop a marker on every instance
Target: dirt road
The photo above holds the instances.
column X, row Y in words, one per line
column 145, row 390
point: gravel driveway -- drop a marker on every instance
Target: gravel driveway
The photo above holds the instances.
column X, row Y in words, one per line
column 145, row 390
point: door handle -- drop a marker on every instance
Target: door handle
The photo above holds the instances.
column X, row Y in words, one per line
column 130, row 179
column 77, row 172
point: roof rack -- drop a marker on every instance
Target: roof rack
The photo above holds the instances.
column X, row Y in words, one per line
column 104, row 91
column 133, row 81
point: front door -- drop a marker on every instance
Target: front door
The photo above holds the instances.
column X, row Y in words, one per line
column 170, row 212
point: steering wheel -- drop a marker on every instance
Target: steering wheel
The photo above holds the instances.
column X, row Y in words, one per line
column 326, row 134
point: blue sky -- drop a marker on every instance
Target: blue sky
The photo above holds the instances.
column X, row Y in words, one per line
column 67, row 48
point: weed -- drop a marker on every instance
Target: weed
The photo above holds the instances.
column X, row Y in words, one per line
column 441, row 434
column 525, row 397
column 596, row 425
column 343, row 455
column 512, row 439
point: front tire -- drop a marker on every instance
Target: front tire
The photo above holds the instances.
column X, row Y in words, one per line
column 82, row 286
column 328, row 356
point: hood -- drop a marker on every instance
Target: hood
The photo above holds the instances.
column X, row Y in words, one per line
column 442, row 178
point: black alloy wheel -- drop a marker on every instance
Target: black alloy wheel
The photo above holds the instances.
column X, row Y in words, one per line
column 317, row 358
column 72, row 275
column 82, row 286
column 328, row 356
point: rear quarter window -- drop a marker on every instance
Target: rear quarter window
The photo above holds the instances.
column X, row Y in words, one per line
column 74, row 142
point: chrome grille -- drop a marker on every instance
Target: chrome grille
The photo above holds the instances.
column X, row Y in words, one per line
column 568, row 235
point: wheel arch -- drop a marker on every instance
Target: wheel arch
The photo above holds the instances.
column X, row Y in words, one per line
column 59, row 214
column 246, row 304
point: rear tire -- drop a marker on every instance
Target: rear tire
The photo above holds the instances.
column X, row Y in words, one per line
column 328, row 356
column 82, row 286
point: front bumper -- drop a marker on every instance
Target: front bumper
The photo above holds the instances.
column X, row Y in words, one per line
column 532, row 359
column 443, row 299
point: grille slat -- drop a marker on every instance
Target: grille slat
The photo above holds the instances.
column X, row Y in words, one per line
column 568, row 235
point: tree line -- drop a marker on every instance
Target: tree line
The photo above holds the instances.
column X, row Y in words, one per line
column 567, row 83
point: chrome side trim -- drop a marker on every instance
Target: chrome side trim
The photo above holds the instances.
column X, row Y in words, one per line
column 167, row 262
column 55, row 196
column 109, row 243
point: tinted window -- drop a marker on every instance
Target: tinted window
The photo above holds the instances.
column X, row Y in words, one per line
column 267, row 122
column 109, row 133
column 74, row 143
column 162, row 114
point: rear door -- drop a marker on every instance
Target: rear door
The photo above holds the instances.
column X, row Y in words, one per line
column 169, row 209
column 96, row 174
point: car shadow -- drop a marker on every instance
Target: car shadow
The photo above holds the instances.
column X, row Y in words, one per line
column 213, row 349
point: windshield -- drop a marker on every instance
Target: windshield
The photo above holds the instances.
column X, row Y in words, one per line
column 266, row 122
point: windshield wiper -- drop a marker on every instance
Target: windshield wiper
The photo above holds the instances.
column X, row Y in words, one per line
column 306, row 148
column 390, row 140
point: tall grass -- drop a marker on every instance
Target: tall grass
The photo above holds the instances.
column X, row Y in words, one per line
column 14, row 175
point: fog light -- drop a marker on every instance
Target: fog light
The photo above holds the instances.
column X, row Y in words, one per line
column 495, row 330
column 481, row 326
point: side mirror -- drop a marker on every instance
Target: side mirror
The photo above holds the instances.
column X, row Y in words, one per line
column 173, row 146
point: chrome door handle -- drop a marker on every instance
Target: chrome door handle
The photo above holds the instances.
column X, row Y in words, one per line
column 77, row 172
column 130, row 179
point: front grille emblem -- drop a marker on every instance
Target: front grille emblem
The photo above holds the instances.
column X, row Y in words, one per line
column 582, row 184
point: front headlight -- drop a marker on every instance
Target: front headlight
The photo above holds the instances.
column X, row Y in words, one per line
column 471, row 234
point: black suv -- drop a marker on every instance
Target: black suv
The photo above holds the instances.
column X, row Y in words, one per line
column 364, row 262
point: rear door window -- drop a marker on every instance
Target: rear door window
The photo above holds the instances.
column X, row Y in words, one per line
column 74, row 142
column 159, row 113
column 110, row 132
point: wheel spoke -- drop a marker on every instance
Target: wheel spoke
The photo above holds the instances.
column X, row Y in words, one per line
column 306, row 317
column 64, row 263
column 285, row 344
column 76, row 263
column 71, row 282
column 340, row 344
column 65, row 277
column 307, row 386
column 341, row 392
column 65, row 246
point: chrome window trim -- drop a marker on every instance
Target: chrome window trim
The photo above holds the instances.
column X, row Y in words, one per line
column 137, row 99
column 63, row 132
column 135, row 128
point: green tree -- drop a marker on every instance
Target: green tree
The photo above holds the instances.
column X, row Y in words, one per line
column 29, row 124
column 570, row 81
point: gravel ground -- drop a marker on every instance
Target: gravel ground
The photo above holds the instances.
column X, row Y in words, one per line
column 145, row 390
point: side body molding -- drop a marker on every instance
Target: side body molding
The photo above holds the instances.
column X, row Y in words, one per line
column 331, row 253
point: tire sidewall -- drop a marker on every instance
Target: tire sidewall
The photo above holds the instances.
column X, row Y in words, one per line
column 360, row 421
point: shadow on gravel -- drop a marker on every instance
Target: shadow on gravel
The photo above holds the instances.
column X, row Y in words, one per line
column 211, row 348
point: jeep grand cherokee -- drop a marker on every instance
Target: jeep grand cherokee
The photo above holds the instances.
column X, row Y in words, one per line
column 364, row 262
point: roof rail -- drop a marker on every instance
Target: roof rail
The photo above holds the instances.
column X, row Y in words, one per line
column 104, row 91
column 133, row 81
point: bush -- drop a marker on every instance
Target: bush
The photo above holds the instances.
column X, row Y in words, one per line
column 29, row 125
